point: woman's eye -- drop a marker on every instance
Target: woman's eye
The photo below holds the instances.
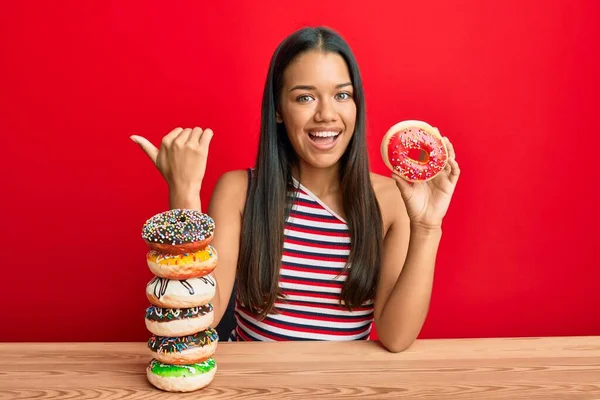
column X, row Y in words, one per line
column 343, row 96
column 304, row 99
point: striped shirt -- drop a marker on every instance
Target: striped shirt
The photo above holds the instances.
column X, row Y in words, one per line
column 315, row 251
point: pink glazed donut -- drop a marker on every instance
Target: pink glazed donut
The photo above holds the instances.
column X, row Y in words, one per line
column 414, row 150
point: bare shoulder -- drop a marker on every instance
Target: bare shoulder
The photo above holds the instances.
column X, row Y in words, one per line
column 389, row 198
column 386, row 190
column 230, row 190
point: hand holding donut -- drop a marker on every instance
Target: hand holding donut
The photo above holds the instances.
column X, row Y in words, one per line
column 182, row 156
column 423, row 164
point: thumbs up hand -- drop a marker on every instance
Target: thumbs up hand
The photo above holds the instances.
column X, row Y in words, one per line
column 181, row 158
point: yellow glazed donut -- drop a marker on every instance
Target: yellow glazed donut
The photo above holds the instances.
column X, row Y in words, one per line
column 182, row 266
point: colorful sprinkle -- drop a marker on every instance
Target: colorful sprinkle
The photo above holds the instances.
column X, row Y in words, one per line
column 169, row 370
column 160, row 258
column 416, row 139
column 178, row 226
column 166, row 344
column 160, row 314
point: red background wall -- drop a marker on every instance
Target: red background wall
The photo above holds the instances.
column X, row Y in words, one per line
column 513, row 85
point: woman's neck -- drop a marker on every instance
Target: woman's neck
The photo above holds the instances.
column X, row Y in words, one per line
column 322, row 182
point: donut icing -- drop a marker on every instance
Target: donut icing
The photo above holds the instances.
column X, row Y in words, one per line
column 164, row 344
column 185, row 287
column 181, row 259
column 178, row 226
column 159, row 314
column 403, row 151
column 176, row 371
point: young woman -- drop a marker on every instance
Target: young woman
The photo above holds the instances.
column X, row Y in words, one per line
column 316, row 246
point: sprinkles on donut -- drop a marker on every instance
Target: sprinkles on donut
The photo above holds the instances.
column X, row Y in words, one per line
column 414, row 150
column 181, row 378
column 178, row 321
column 174, row 344
column 160, row 314
column 178, row 231
column 183, row 266
column 184, row 349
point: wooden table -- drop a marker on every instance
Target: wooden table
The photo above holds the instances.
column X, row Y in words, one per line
column 526, row 368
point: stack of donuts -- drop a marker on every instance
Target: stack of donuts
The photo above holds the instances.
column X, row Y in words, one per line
column 180, row 316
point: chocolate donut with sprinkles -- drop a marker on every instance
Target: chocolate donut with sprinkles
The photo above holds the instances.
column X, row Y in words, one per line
column 181, row 378
column 178, row 231
column 178, row 321
column 184, row 349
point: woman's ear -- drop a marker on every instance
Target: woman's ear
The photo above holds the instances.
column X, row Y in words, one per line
column 278, row 117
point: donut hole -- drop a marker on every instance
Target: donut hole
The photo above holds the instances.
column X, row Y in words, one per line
column 419, row 155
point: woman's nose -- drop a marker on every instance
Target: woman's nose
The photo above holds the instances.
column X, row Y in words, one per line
column 325, row 111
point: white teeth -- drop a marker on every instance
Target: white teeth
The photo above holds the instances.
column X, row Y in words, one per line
column 324, row 134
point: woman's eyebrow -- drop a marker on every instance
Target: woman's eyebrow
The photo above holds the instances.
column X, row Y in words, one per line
column 309, row 87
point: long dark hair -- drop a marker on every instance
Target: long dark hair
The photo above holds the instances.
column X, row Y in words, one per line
column 268, row 204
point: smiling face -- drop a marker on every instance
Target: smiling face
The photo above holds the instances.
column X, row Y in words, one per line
column 317, row 107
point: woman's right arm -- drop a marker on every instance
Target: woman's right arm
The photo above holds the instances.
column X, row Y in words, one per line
column 226, row 208
column 181, row 160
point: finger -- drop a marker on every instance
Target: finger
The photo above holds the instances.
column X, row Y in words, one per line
column 150, row 150
column 454, row 170
column 183, row 136
column 206, row 138
column 169, row 137
column 402, row 184
column 448, row 167
column 195, row 135
column 450, row 147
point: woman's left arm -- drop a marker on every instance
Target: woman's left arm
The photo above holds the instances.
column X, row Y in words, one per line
column 409, row 255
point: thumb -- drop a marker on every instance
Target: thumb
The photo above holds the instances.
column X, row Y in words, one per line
column 148, row 147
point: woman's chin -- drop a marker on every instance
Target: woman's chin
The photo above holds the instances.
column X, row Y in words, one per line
column 323, row 161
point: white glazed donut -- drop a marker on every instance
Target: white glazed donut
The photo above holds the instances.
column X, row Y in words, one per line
column 173, row 293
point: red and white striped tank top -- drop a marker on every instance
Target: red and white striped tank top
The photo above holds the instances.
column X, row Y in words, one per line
column 316, row 248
